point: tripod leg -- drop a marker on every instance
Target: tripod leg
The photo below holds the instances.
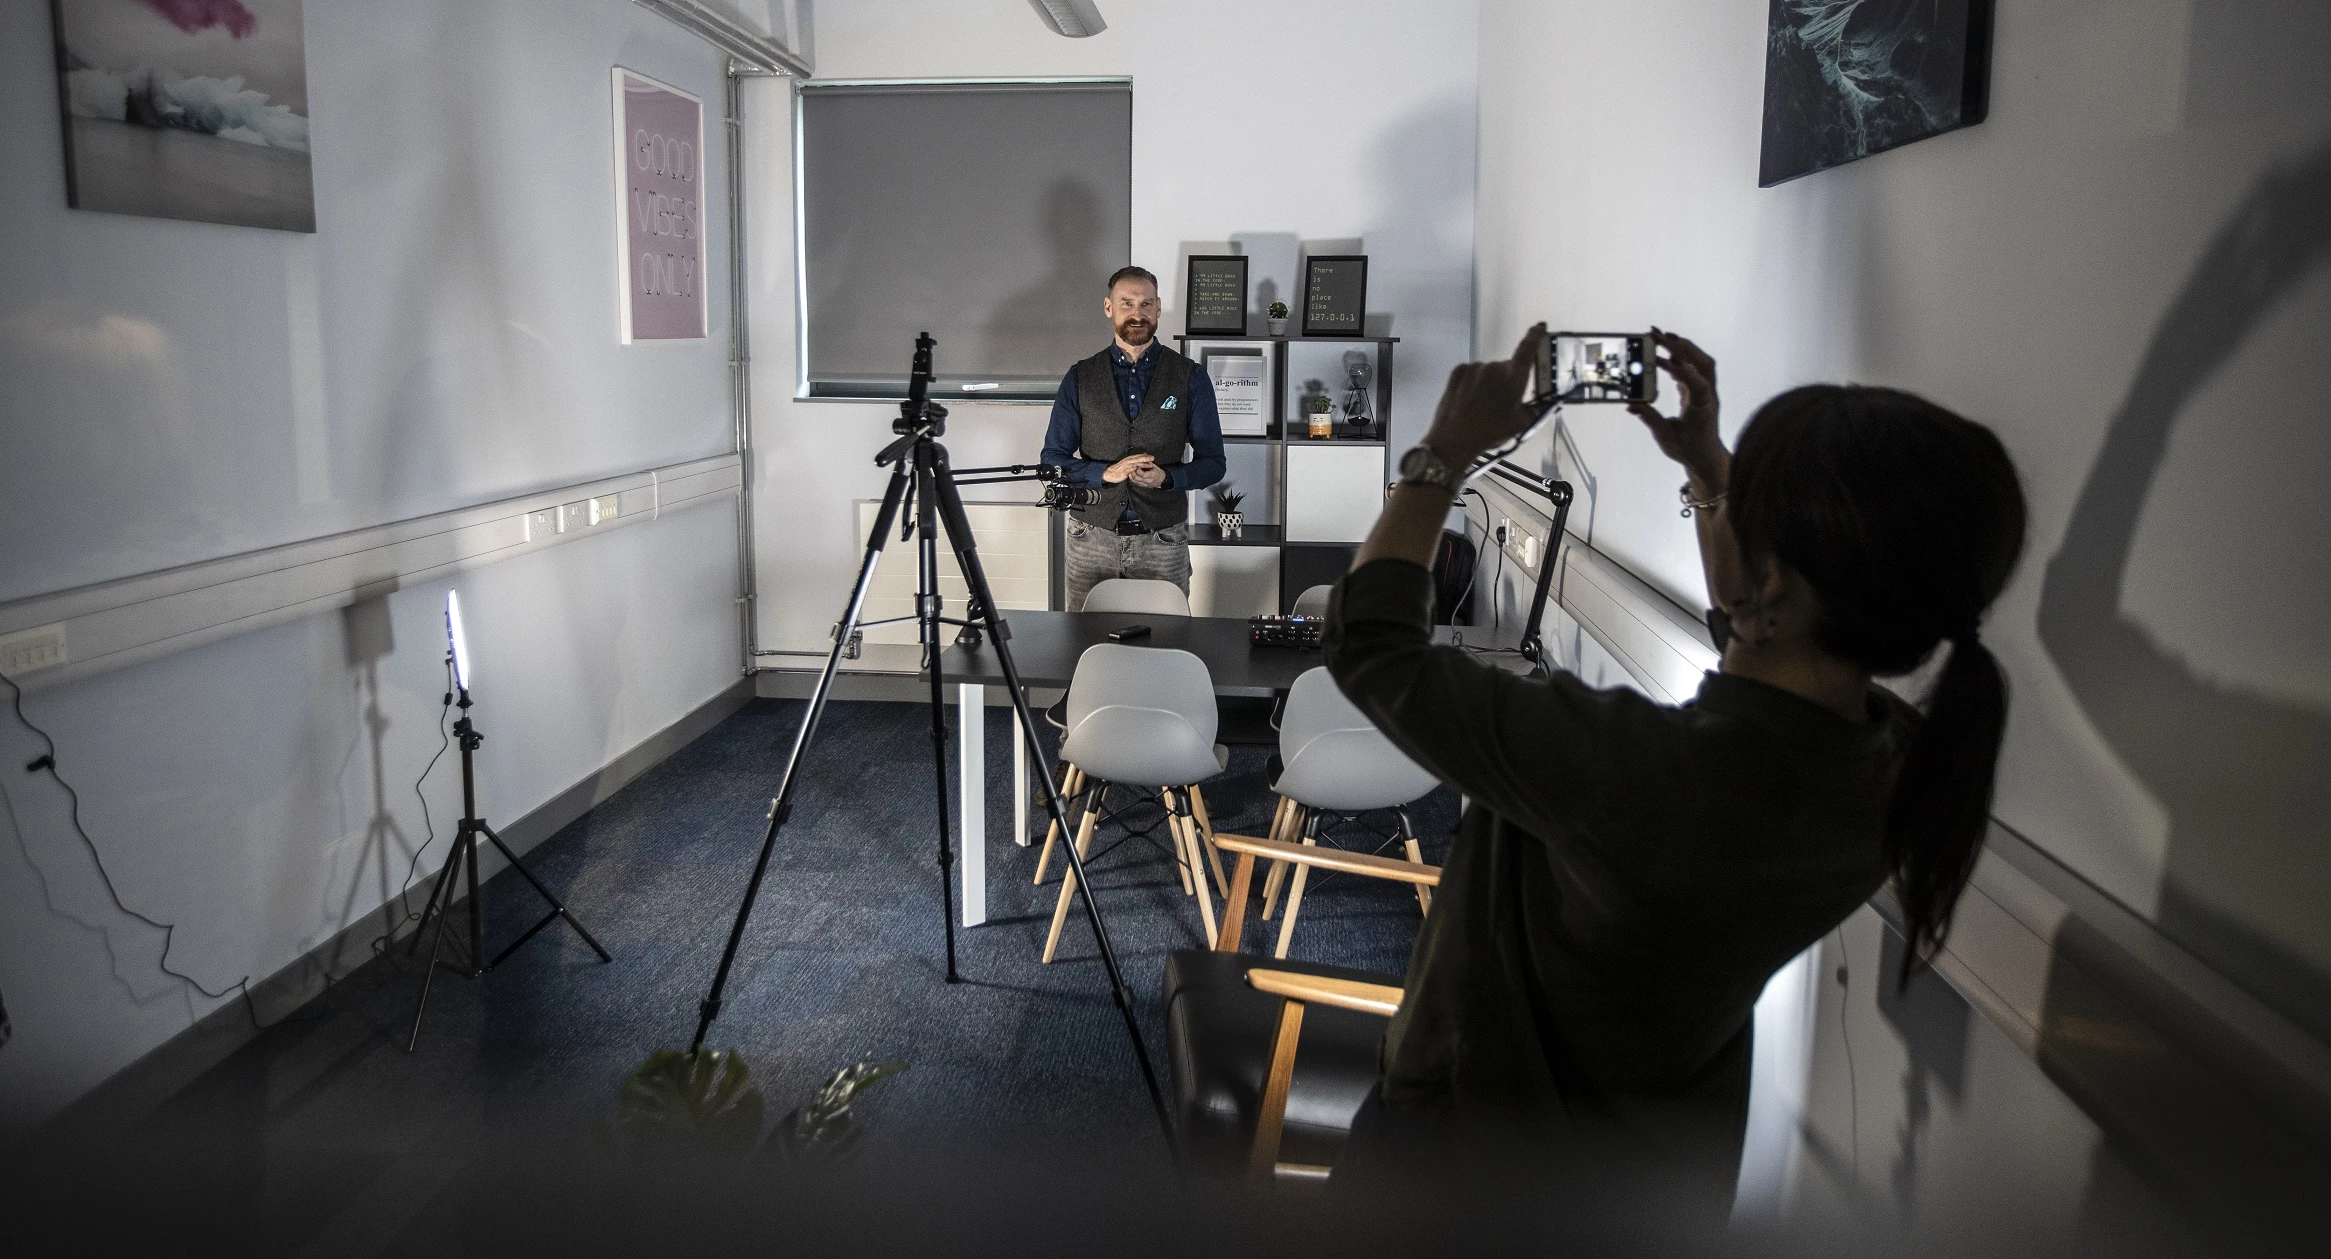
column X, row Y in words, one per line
column 927, row 617
column 1071, row 782
column 999, row 634
column 477, row 925
column 558, row 908
column 781, row 806
column 437, row 945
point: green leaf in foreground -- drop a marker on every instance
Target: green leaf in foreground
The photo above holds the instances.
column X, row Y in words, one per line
column 691, row 1098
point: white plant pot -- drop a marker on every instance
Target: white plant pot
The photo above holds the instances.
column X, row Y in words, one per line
column 1278, row 327
column 1231, row 523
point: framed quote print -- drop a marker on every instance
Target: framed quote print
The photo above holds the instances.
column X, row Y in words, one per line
column 659, row 211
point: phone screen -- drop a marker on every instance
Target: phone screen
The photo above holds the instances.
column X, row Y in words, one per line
column 1596, row 367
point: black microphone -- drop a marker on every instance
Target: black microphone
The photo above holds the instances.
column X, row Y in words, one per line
column 1064, row 497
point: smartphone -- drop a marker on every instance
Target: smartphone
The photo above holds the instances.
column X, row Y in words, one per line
column 1595, row 367
column 1127, row 633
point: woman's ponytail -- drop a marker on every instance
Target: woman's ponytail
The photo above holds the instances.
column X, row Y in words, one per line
column 1907, row 520
column 1941, row 806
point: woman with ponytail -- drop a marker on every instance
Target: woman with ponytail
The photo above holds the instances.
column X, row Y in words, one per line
column 1629, row 874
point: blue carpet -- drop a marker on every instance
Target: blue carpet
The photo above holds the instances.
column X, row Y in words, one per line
column 844, row 957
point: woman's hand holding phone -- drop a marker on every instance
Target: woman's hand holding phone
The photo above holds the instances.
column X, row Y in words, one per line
column 1691, row 438
column 1483, row 407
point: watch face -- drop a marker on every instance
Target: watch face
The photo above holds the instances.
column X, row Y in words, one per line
column 1418, row 461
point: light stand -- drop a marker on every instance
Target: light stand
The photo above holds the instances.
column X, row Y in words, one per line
column 921, row 475
column 465, row 857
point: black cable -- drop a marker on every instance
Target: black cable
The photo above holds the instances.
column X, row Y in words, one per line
column 47, row 760
column 1845, row 1034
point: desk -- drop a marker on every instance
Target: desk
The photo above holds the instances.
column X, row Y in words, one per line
column 1045, row 649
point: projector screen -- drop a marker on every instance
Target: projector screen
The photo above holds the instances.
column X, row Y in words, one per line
column 988, row 214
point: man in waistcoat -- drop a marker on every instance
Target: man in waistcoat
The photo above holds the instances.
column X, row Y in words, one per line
column 1138, row 423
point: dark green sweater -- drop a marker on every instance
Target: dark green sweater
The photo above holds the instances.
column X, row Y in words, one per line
column 1626, row 878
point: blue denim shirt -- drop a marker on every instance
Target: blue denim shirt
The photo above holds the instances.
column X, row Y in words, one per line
column 1065, row 435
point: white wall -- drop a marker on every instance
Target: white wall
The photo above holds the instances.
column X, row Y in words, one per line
column 172, row 392
column 1350, row 120
column 2129, row 248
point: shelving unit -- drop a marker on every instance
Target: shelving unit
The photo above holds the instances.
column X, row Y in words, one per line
column 1324, row 500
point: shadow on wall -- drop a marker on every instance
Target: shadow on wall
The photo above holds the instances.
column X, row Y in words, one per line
column 2246, row 779
column 1065, row 305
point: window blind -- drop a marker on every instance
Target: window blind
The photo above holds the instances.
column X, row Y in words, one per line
column 989, row 214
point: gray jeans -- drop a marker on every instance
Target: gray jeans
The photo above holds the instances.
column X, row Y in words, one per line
column 1096, row 555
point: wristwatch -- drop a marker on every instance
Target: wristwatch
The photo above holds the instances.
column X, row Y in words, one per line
column 1423, row 465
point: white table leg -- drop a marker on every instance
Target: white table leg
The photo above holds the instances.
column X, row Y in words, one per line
column 971, row 764
column 1019, row 781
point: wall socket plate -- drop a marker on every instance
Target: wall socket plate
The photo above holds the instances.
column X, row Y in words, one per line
column 41, row 647
column 605, row 507
column 541, row 524
column 573, row 516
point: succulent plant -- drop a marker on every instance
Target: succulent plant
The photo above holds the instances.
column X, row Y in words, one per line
column 1226, row 498
column 1278, row 310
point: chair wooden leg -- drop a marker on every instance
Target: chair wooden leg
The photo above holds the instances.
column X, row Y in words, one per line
column 1188, row 826
column 1295, row 893
column 1278, row 868
column 1071, row 783
column 1181, row 853
column 1234, row 910
column 1424, row 895
column 1084, row 845
column 1206, row 828
column 1271, row 1122
column 1277, row 882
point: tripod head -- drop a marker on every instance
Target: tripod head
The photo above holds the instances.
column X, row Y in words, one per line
column 918, row 416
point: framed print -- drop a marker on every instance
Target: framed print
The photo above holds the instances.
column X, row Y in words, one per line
column 1335, row 295
column 659, row 211
column 187, row 111
column 1215, row 296
column 1844, row 81
column 1242, row 387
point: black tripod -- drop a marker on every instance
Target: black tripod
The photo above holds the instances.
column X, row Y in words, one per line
column 920, row 473
column 465, row 857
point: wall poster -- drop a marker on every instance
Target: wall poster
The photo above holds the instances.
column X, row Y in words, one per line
column 659, row 210
column 179, row 109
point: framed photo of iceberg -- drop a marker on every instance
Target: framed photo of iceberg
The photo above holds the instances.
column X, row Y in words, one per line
column 1844, row 79
column 186, row 109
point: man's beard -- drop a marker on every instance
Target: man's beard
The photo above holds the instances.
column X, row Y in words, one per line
column 1132, row 335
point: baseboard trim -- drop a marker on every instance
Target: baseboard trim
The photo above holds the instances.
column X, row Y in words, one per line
column 145, row 1085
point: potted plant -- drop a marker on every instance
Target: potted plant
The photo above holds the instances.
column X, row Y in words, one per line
column 1278, row 319
column 1226, row 514
column 1322, row 410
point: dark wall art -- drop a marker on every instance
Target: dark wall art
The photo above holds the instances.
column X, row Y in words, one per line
column 1847, row 78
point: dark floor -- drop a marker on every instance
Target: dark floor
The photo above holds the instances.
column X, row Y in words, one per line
column 843, row 958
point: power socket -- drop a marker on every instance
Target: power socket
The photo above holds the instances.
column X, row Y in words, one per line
column 605, row 507
column 541, row 524
column 42, row 647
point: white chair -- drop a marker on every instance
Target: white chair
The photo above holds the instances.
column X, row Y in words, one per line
column 1137, row 594
column 1313, row 602
column 1336, row 764
column 1117, row 594
column 1143, row 717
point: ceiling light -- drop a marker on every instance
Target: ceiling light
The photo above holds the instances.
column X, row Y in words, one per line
column 1073, row 18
